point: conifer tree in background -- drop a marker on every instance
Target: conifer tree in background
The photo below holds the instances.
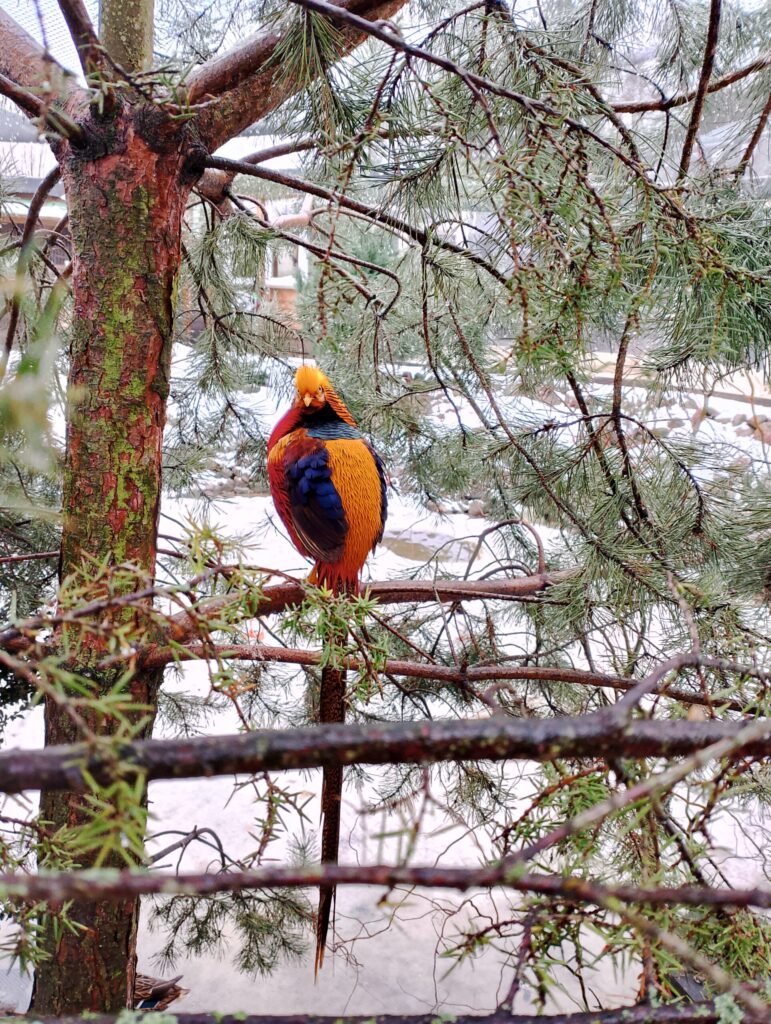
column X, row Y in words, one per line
column 489, row 197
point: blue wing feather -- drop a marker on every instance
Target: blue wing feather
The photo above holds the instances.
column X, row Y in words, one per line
column 317, row 510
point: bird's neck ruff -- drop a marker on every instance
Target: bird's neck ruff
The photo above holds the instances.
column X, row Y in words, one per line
column 322, row 420
column 338, row 406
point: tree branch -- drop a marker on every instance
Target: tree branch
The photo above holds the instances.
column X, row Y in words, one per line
column 110, row 884
column 495, row 739
column 214, row 183
column 23, row 99
column 56, row 120
column 83, row 35
column 28, row 234
column 713, row 31
column 246, row 85
column 281, row 596
column 185, row 625
column 645, row 106
column 160, row 656
column 372, row 213
column 693, row 1013
column 31, row 557
column 754, row 142
column 474, row 82
column 126, row 28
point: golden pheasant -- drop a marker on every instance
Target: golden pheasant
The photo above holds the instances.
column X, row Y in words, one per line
column 329, row 487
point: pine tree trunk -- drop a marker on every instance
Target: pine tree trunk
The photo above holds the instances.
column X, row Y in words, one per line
column 125, row 197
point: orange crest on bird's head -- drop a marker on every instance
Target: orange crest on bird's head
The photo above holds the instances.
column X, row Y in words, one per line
column 312, row 386
column 314, row 391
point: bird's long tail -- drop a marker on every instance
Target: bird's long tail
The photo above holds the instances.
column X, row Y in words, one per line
column 331, row 709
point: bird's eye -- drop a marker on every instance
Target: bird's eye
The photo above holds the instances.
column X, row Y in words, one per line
column 320, row 393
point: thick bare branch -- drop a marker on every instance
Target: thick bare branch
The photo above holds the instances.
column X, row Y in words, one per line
column 495, row 739
column 127, row 32
column 247, row 85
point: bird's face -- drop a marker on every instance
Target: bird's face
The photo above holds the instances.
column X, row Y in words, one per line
column 309, row 385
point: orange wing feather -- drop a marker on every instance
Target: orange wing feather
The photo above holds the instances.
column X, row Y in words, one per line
column 357, row 480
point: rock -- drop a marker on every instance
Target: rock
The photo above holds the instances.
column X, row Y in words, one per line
column 763, row 432
column 745, row 432
column 739, row 418
column 675, row 422
column 698, row 418
column 756, row 421
column 476, row 509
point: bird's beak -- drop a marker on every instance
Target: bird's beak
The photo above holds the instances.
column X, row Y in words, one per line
column 307, row 399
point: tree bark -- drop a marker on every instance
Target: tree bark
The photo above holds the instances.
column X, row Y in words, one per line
column 126, row 193
column 126, row 30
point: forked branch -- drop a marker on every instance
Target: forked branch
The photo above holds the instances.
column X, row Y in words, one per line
column 679, row 100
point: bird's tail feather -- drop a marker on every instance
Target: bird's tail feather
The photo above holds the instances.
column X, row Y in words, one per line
column 331, row 709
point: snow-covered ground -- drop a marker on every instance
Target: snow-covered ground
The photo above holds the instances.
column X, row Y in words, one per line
column 394, row 969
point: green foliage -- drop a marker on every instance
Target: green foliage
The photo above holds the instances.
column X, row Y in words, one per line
column 264, row 928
